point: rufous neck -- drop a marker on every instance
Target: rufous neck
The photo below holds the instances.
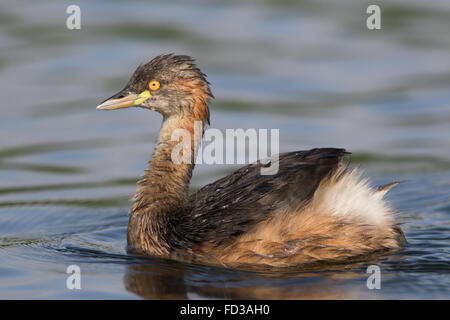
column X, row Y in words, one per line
column 165, row 183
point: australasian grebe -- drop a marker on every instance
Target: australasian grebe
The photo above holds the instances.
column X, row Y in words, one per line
column 313, row 209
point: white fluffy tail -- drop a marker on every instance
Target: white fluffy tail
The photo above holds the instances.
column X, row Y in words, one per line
column 348, row 196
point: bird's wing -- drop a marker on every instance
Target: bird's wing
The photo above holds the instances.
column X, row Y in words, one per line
column 232, row 205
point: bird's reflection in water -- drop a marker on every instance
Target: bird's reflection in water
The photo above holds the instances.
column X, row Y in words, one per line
column 176, row 280
column 150, row 282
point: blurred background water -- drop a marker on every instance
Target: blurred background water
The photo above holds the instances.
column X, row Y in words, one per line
column 310, row 68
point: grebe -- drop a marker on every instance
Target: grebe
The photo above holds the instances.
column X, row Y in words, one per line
column 313, row 209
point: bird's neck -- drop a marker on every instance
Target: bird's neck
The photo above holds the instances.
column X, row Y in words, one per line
column 165, row 183
column 162, row 194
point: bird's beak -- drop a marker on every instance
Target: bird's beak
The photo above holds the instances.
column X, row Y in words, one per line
column 130, row 100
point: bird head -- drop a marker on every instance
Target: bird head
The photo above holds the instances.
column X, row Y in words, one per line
column 169, row 84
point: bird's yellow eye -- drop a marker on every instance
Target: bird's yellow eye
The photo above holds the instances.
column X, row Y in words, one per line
column 154, row 85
